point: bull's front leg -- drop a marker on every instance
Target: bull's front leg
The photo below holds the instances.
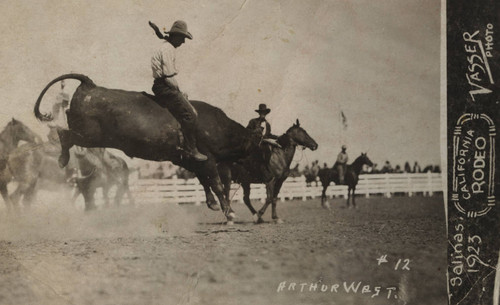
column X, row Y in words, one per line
column 209, row 170
column 210, row 199
column 65, row 138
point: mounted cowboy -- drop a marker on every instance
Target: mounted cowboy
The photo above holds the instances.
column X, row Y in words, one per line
column 262, row 126
column 341, row 163
column 167, row 90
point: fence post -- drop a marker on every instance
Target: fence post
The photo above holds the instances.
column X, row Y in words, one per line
column 365, row 178
column 176, row 192
column 409, row 185
column 388, row 186
column 429, row 183
column 304, row 188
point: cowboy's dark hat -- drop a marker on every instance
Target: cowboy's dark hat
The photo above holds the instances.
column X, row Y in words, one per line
column 180, row 27
column 263, row 109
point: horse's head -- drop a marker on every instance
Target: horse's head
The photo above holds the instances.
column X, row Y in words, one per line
column 365, row 160
column 301, row 137
column 18, row 131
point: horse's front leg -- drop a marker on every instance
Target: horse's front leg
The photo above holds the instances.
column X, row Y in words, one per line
column 324, row 202
column 5, row 195
column 248, row 203
column 353, row 197
column 277, row 188
column 348, row 196
column 269, row 199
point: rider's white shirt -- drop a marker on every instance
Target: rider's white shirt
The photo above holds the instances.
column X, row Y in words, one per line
column 163, row 61
column 264, row 127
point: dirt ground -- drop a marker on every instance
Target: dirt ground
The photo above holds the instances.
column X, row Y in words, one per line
column 182, row 254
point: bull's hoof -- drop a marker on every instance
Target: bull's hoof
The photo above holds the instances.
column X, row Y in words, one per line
column 63, row 160
column 213, row 206
column 278, row 221
column 232, row 215
column 229, row 223
column 326, row 205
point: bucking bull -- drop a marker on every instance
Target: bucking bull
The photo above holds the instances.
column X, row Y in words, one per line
column 134, row 123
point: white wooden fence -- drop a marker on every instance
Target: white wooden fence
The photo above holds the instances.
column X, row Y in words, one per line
column 190, row 191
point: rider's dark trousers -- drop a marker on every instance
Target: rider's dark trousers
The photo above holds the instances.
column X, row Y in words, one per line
column 171, row 98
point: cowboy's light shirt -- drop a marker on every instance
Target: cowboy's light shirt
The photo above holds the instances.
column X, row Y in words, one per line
column 264, row 127
column 163, row 61
column 342, row 158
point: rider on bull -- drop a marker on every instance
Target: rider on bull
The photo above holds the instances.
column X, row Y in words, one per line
column 167, row 90
column 341, row 164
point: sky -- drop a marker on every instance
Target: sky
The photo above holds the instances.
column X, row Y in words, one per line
column 376, row 61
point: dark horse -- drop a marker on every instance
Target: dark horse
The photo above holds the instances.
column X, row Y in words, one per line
column 134, row 123
column 14, row 132
column 253, row 169
column 327, row 175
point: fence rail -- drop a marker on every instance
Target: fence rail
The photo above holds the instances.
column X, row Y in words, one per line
column 190, row 191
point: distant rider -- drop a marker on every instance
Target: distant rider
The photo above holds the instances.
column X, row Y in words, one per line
column 341, row 164
column 166, row 89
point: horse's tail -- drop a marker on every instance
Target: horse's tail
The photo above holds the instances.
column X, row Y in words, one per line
column 48, row 117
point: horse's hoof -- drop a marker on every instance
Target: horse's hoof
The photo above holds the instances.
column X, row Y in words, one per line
column 213, row 206
column 255, row 218
column 278, row 221
column 63, row 160
column 260, row 220
column 90, row 208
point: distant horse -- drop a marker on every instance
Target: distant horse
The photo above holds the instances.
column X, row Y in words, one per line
column 35, row 166
column 253, row 169
column 312, row 174
column 101, row 169
column 13, row 133
column 327, row 175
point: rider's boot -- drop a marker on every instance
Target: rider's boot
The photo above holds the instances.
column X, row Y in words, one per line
column 190, row 148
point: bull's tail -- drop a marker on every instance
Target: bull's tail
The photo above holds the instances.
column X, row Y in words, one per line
column 48, row 116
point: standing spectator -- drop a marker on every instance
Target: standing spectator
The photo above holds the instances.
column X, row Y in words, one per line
column 407, row 167
column 416, row 168
column 387, row 168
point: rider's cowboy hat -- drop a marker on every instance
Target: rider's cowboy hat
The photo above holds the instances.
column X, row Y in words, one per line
column 180, row 27
column 263, row 109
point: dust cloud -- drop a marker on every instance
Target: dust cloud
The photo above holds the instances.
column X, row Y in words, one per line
column 55, row 217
